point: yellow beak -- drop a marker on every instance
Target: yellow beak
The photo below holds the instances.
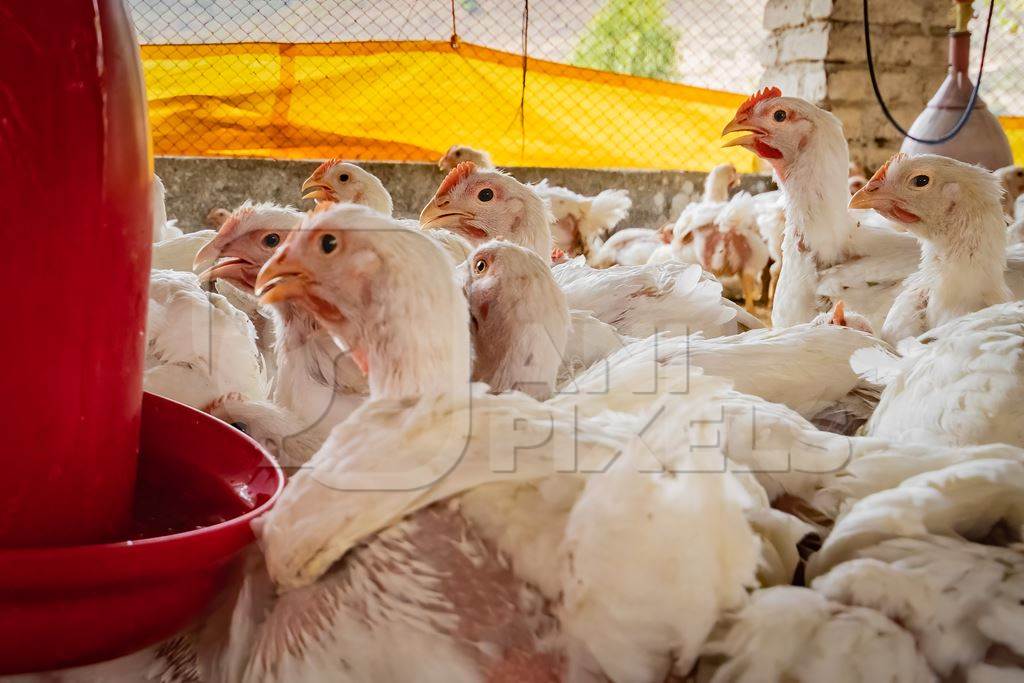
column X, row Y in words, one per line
column 869, row 197
column 281, row 278
column 313, row 188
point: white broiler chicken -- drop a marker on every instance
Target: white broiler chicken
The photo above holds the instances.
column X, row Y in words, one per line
column 731, row 246
column 827, row 254
column 488, row 548
column 635, row 246
column 878, row 465
column 1012, row 180
column 700, row 533
column 179, row 253
column 419, row 383
column 480, row 205
column 198, row 346
column 858, row 178
column 285, row 436
column 521, row 326
column 163, row 229
column 316, row 383
column 637, row 300
column 216, row 216
column 338, row 181
column 793, row 634
column 456, row 154
column 961, row 383
column 941, row 555
column 513, row 298
column 581, row 224
column 695, row 215
column 632, row 247
column 234, row 254
column 675, row 298
column 1015, row 239
column 953, row 209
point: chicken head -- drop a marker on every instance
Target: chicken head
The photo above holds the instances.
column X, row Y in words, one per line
column 244, row 242
column 481, row 205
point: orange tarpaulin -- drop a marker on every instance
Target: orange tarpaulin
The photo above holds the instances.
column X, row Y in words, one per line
column 411, row 100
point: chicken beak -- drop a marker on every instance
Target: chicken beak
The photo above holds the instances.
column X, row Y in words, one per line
column 740, row 124
column 313, row 188
column 430, row 212
column 875, row 196
column 870, row 196
column 281, row 278
column 208, row 255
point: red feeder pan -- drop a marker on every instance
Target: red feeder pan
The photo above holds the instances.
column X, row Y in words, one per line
column 201, row 483
column 75, row 177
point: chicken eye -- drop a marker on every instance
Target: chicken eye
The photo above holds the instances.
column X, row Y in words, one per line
column 486, row 194
column 480, row 265
column 241, row 426
column 779, row 115
column 343, row 177
column 271, row 240
column 920, row 180
column 458, row 152
column 328, row 243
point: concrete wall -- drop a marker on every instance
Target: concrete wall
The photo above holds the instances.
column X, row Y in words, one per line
column 196, row 185
column 815, row 50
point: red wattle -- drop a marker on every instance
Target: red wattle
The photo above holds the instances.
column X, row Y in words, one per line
column 766, row 151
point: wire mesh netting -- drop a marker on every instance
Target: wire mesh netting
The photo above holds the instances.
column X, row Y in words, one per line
column 1004, row 67
column 678, row 41
column 632, row 79
column 608, row 83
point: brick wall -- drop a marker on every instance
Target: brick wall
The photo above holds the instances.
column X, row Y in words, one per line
column 815, row 50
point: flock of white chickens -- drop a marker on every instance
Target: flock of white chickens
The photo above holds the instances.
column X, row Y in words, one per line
column 522, row 448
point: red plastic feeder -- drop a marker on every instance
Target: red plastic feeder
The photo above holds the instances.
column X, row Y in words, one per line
column 119, row 518
column 68, row 606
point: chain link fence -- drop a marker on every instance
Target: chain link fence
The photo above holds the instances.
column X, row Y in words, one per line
column 314, row 78
column 1004, row 65
column 609, row 83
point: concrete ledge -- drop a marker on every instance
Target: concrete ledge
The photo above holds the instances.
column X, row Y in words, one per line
column 195, row 185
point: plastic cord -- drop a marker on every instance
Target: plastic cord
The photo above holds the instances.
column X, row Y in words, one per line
column 970, row 103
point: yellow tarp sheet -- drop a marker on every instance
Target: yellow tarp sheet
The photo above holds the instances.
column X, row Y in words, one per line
column 1014, row 127
column 411, row 100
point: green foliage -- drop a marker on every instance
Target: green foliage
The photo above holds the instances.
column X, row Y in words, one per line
column 1010, row 14
column 631, row 37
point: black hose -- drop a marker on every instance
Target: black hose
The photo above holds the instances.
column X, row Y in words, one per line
column 970, row 103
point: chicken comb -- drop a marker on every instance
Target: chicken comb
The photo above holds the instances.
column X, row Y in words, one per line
column 884, row 168
column 765, row 93
column 455, row 176
column 230, row 224
column 322, row 168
